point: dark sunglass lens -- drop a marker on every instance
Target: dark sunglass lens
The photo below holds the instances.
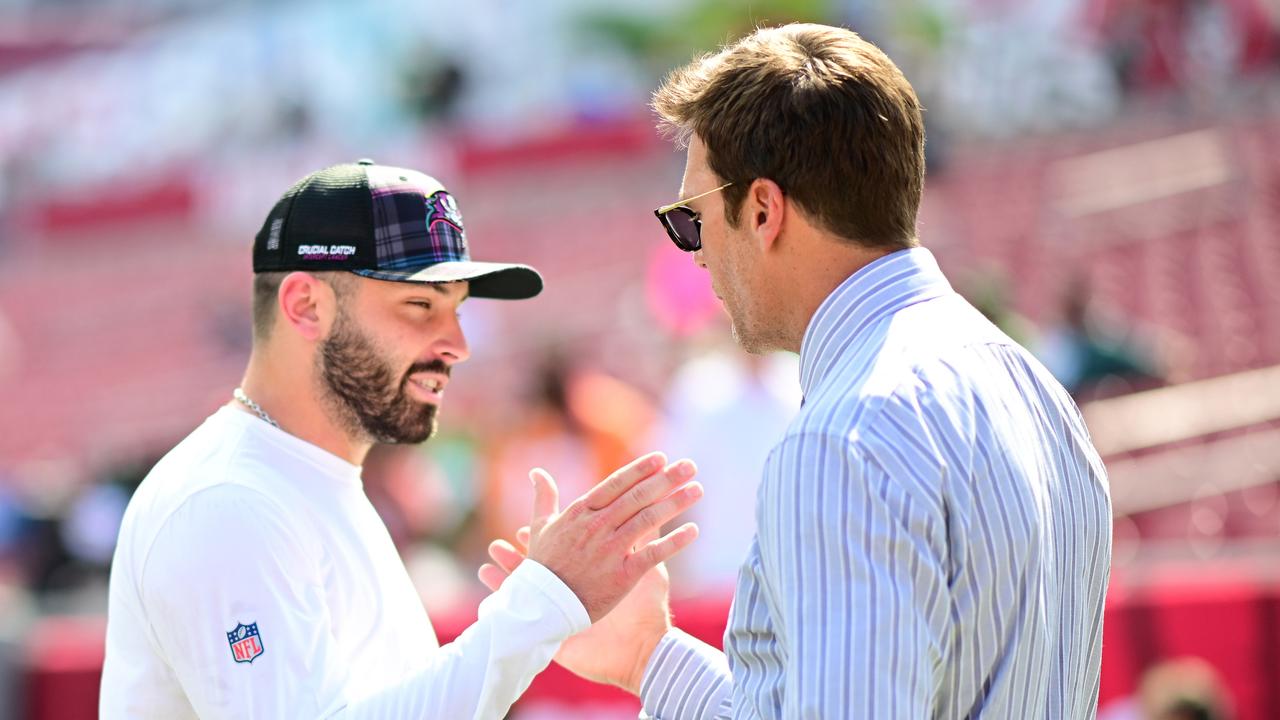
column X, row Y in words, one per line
column 665, row 219
column 684, row 227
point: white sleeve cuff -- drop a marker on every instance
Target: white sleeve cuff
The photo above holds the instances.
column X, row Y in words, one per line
column 539, row 578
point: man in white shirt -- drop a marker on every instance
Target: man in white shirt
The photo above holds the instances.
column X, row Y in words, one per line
column 253, row 579
column 934, row 527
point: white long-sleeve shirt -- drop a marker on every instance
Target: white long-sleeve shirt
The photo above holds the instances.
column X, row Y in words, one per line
column 253, row 579
column 934, row 530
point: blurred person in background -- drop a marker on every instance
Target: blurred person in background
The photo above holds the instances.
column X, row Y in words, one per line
column 1092, row 353
column 253, row 577
column 934, row 528
column 579, row 425
column 1185, row 688
column 414, row 497
column 727, row 408
column 408, row 491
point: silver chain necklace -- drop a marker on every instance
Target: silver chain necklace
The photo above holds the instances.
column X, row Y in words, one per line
column 238, row 394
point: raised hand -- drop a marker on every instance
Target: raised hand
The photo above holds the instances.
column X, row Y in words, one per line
column 601, row 546
column 616, row 649
column 592, row 544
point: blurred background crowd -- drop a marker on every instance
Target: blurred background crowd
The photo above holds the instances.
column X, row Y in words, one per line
column 1104, row 184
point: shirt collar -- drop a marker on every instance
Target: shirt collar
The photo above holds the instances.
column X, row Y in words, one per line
column 331, row 465
column 875, row 291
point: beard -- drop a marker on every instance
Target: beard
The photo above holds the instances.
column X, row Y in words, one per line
column 364, row 393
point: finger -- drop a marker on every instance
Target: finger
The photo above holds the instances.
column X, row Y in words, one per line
column 546, row 497
column 492, row 576
column 654, row 516
column 660, row 550
column 504, row 555
column 646, row 538
column 649, row 490
column 522, row 539
column 622, row 479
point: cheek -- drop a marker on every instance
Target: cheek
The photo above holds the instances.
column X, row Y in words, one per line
column 726, row 259
column 714, row 244
column 399, row 338
column 391, row 344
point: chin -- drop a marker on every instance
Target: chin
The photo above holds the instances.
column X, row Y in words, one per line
column 751, row 347
column 419, row 438
column 755, row 343
column 745, row 340
column 422, row 434
column 408, row 437
column 408, row 431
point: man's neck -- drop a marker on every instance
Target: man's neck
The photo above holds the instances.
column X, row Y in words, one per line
column 290, row 398
column 817, row 272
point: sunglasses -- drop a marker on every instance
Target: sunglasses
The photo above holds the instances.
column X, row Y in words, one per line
column 684, row 224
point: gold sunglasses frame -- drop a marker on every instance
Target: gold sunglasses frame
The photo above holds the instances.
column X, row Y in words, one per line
column 668, row 208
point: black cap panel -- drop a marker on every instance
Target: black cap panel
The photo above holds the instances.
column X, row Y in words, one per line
column 324, row 222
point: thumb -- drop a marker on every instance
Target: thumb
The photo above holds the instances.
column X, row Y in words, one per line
column 546, row 497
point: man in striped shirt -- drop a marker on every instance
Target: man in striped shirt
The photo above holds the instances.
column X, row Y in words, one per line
column 934, row 529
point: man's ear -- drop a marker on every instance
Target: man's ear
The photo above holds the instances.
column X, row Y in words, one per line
column 763, row 211
column 306, row 304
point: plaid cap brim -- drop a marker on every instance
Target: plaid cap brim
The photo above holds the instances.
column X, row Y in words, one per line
column 498, row 281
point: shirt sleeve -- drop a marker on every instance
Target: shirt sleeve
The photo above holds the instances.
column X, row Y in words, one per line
column 852, row 591
column 229, row 558
column 686, row 678
column 851, row 557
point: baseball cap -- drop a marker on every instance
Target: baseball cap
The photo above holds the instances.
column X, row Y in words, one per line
column 381, row 222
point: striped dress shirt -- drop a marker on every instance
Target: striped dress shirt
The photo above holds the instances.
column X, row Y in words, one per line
column 934, row 530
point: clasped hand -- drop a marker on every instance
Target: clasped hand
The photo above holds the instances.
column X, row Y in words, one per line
column 601, row 545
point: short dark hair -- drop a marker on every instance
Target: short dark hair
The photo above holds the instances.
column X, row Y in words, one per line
column 818, row 110
column 266, row 286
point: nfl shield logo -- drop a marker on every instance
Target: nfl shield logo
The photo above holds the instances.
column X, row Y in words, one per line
column 245, row 642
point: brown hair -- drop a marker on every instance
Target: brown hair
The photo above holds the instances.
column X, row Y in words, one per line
column 818, row 110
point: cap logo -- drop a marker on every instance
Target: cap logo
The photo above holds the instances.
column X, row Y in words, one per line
column 326, row 252
column 441, row 207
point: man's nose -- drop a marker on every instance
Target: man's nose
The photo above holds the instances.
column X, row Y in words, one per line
column 452, row 343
